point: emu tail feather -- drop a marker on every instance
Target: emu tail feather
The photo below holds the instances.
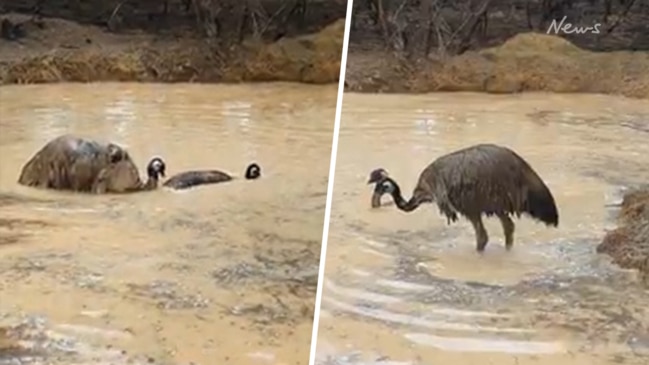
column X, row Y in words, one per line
column 541, row 205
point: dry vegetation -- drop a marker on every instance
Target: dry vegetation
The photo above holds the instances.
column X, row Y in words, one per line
column 628, row 245
column 499, row 46
column 171, row 41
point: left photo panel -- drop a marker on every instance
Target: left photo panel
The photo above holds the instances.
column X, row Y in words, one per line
column 163, row 178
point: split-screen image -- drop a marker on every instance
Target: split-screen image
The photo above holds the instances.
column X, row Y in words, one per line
column 324, row 182
column 487, row 205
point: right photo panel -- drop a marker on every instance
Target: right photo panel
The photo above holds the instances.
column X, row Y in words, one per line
column 490, row 203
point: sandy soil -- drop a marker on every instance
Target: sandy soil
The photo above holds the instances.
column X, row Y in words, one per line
column 63, row 50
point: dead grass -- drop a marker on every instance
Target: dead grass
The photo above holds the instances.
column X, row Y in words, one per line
column 312, row 58
column 526, row 62
column 628, row 245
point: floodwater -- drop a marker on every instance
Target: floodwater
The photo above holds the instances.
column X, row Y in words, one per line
column 406, row 288
column 216, row 274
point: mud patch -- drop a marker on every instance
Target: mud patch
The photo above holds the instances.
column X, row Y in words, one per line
column 168, row 295
column 35, row 340
column 288, row 279
column 13, row 230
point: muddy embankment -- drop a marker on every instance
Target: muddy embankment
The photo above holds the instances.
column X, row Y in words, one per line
column 59, row 47
column 525, row 62
column 628, row 244
column 500, row 46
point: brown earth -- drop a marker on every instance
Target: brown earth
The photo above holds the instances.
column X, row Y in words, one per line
column 509, row 46
column 63, row 50
column 628, row 244
column 525, row 62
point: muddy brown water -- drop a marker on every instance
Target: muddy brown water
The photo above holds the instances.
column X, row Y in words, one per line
column 217, row 274
column 405, row 288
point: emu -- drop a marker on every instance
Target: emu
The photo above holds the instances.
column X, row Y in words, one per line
column 188, row 179
column 483, row 179
column 79, row 164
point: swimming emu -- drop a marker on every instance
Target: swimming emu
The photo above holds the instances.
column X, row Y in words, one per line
column 481, row 179
column 188, row 179
column 376, row 177
column 83, row 165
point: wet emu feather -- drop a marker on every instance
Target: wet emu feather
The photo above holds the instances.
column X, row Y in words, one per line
column 484, row 179
column 188, row 179
column 83, row 165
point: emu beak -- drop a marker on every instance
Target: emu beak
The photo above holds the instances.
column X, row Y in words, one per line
column 376, row 200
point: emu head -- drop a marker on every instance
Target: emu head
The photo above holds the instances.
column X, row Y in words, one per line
column 253, row 171
column 377, row 175
column 155, row 168
column 386, row 186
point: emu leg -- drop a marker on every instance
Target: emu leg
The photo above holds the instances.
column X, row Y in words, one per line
column 508, row 228
column 482, row 238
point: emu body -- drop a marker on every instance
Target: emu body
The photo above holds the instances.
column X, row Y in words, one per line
column 483, row 179
column 82, row 165
column 188, row 179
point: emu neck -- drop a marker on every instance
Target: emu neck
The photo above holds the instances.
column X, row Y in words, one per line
column 150, row 184
column 406, row 206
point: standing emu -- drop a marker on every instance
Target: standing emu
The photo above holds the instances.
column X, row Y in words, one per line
column 481, row 179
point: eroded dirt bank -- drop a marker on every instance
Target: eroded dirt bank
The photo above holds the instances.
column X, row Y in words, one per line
column 628, row 245
column 499, row 46
column 62, row 47
column 526, row 62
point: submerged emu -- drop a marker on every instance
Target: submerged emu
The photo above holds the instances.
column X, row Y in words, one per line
column 482, row 179
column 188, row 179
column 82, row 165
